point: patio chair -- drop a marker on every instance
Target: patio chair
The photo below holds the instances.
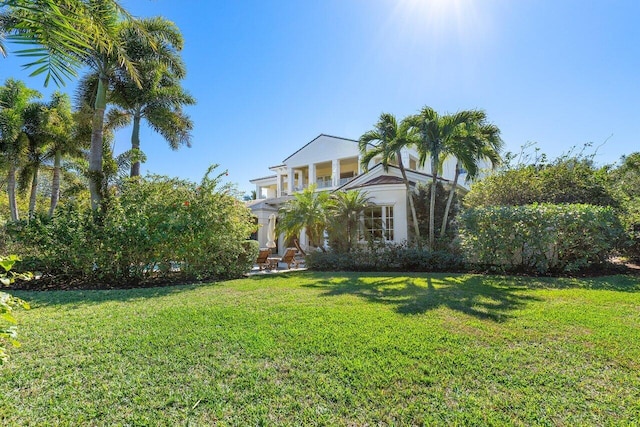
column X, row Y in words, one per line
column 289, row 258
column 262, row 260
column 301, row 254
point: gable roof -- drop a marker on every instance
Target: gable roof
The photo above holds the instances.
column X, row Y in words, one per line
column 313, row 140
column 267, row 204
column 382, row 180
column 378, row 176
column 263, row 178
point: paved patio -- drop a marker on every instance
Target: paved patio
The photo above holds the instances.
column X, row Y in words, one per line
column 255, row 271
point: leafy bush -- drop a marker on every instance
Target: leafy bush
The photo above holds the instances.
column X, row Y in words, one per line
column 158, row 228
column 384, row 257
column 571, row 180
column 539, row 238
column 8, row 331
column 625, row 185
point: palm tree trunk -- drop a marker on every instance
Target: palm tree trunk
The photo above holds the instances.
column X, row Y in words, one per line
column 432, row 204
column 452, row 192
column 55, row 182
column 96, row 174
column 34, row 193
column 414, row 217
column 135, row 144
column 11, row 192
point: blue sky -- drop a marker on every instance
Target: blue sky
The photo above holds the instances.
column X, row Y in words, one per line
column 270, row 76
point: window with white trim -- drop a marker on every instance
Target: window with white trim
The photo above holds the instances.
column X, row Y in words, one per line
column 377, row 223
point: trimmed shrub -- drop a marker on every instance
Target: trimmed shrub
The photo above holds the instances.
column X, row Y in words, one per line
column 158, row 228
column 382, row 257
column 539, row 238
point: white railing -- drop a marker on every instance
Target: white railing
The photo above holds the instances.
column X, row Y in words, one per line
column 324, row 182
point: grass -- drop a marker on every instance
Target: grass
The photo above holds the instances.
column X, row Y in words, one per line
column 331, row 349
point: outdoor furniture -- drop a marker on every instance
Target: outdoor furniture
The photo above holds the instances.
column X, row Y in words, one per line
column 289, row 258
column 301, row 254
column 273, row 262
column 263, row 258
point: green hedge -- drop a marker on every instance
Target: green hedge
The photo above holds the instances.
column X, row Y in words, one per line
column 539, row 238
column 158, row 228
column 384, row 258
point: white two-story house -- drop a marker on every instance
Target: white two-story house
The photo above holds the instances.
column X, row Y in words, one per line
column 333, row 164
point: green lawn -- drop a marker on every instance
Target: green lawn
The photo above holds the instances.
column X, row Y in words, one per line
column 331, row 349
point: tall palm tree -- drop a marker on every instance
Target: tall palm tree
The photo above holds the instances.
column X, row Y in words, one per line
column 36, row 133
column 345, row 210
column 479, row 141
column 435, row 133
column 50, row 131
column 307, row 211
column 15, row 98
column 71, row 33
column 62, row 131
column 159, row 96
column 386, row 140
column 83, row 116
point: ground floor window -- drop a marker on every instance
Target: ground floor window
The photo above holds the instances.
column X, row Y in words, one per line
column 377, row 223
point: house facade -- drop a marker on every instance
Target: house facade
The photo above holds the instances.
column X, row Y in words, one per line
column 333, row 164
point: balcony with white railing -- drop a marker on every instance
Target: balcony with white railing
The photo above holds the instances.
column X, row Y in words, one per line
column 324, row 182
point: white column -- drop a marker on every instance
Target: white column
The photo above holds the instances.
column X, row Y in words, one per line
column 335, row 172
column 312, row 174
column 278, row 184
column 290, row 180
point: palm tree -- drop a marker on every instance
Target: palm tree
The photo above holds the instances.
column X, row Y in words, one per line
column 480, row 141
column 15, row 98
column 83, row 116
column 345, row 209
column 62, row 130
column 58, row 32
column 36, row 133
column 386, row 141
column 435, row 133
column 307, row 211
column 71, row 33
column 159, row 97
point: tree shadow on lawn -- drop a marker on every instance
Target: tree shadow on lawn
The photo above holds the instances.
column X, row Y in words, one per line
column 482, row 296
column 86, row 297
column 479, row 296
column 618, row 283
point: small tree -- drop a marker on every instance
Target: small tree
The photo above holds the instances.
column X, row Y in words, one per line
column 15, row 99
column 345, row 211
column 308, row 212
column 423, row 199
